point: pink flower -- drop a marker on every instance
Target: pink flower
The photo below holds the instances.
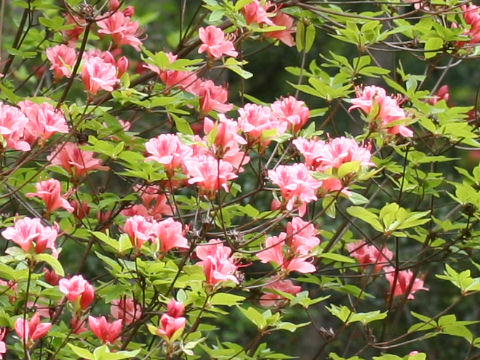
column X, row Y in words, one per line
column 274, row 252
column 472, row 18
column 297, row 185
column 212, row 97
column 310, row 150
column 105, row 331
column 3, row 347
column 256, row 13
column 78, row 289
column 227, row 141
column 402, row 282
column 175, row 308
column 63, row 59
column 171, row 78
column 209, row 173
column 226, row 132
column 387, row 109
column 139, row 230
column 121, row 29
column 302, row 236
column 73, row 34
column 12, row 127
column 272, row 299
column 127, row 310
column 168, row 150
column 214, row 43
column 169, row 325
column 11, row 288
column 75, row 161
column 29, row 330
column 216, row 262
column 78, row 325
column 292, row 111
column 341, row 150
column 121, row 65
column 155, row 201
column 169, row 234
column 370, row 254
column 442, row 94
column 28, row 233
column 49, row 192
column 51, row 277
column 98, row 74
column 43, row 121
column 260, row 124
column 80, row 210
column 41, row 307
column 285, row 36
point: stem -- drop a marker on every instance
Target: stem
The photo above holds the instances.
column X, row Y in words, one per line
column 16, row 41
column 77, row 64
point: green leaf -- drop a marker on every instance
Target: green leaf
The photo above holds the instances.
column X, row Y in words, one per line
column 348, row 168
column 300, row 35
column 309, row 37
column 357, row 199
column 433, row 46
column 365, row 215
column 83, row 353
column 290, row 326
column 236, row 67
column 106, row 239
column 103, row 353
column 254, row 316
column 50, row 260
column 226, row 299
column 337, row 257
column 240, row 4
column 182, row 125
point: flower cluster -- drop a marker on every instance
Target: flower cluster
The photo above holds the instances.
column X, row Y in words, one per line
column 297, row 185
column 214, row 43
column 472, row 18
column 50, row 192
column 31, row 330
column 77, row 290
column 74, row 160
column 172, row 323
column 217, row 262
column 292, row 251
column 32, row 123
column 31, row 235
column 166, row 234
column 401, row 281
column 382, row 110
column 254, row 12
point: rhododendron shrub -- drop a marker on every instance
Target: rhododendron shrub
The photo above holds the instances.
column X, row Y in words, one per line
column 168, row 191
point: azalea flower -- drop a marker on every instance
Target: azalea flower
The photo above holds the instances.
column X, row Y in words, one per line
column 50, row 192
column 77, row 288
column 74, row 160
column 217, row 262
column 98, row 74
column 214, row 43
column 43, row 121
column 63, row 59
column 297, row 185
column 369, row 255
column 121, row 29
column 401, row 283
column 106, row 331
column 31, row 330
column 30, row 234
